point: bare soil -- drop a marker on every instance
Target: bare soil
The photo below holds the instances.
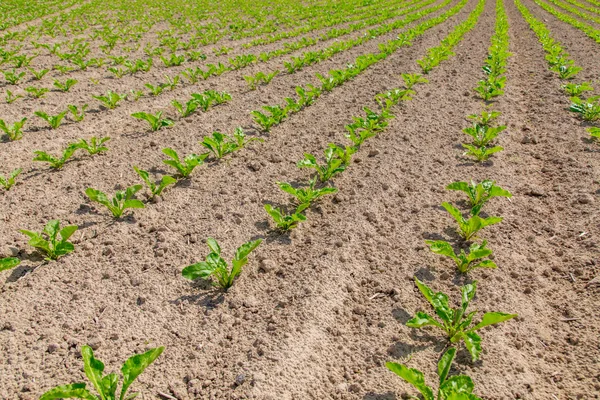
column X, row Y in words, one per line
column 317, row 313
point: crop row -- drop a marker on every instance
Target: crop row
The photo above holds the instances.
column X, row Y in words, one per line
column 560, row 62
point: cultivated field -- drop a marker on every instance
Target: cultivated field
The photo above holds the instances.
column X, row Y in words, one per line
column 353, row 161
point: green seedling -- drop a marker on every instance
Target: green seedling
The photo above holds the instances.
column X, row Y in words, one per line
column 483, row 134
column 106, row 385
column 576, row 89
column 193, row 75
column 260, row 78
column 278, row 114
column 8, row 263
column 209, row 98
column 76, row 114
column 55, row 162
column 566, row 71
column 65, row 87
column 456, row 323
column 479, row 193
column 111, row 100
column 94, row 146
column 136, row 94
column 62, row 69
column 285, row 222
column 333, row 164
column 464, row 262
column 171, row 82
column 458, row 387
column 38, row 75
column 411, row 80
column 481, row 153
column 8, row 182
column 220, row 144
column 185, row 166
column 156, row 121
column 594, row 133
column 155, row 90
column 306, row 196
column 11, row 98
column 363, row 128
column 48, row 241
column 118, row 72
column 215, row 266
column 491, row 87
column 13, row 131
column 53, row 120
column 13, row 77
column 588, row 109
column 189, row 109
column 122, row 200
column 468, row 228
column 36, row 92
column 156, row 189
column 173, row 61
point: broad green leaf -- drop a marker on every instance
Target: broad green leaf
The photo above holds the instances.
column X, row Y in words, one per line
column 244, row 250
column 213, row 245
column 422, row 319
column 457, row 384
column 412, row 376
column 199, row 270
column 8, row 263
column 51, row 228
column 135, row 365
column 133, row 203
column 473, row 344
column 492, row 318
column 68, row 231
column 445, row 364
column 71, row 391
column 93, row 370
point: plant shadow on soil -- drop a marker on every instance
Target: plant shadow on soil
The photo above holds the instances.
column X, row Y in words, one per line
column 209, row 298
column 380, row 396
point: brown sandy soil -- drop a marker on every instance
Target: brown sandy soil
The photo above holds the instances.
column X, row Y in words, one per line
column 316, row 314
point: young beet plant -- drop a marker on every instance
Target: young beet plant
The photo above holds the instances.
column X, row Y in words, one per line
column 479, row 193
column 53, row 120
column 220, row 144
column 306, row 196
column 215, row 266
column 8, row 182
column 8, row 263
column 285, row 222
column 156, row 121
column 122, row 201
column 94, row 146
column 106, row 385
column 464, row 262
column 13, row 131
column 456, row 323
column 333, row 164
column 459, row 387
column 56, row 162
column 77, row 114
column 185, row 166
column 588, row 109
column 468, row 228
column 156, row 189
column 52, row 241
column 66, row 86
column 111, row 100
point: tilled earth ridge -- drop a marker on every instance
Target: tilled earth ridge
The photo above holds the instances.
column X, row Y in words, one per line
column 300, row 323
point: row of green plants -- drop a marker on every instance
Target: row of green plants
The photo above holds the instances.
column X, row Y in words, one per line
column 436, row 55
column 131, row 67
column 199, row 101
column 559, row 61
column 495, row 65
column 274, row 115
column 575, row 10
column 589, row 30
column 375, row 13
column 467, row 254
